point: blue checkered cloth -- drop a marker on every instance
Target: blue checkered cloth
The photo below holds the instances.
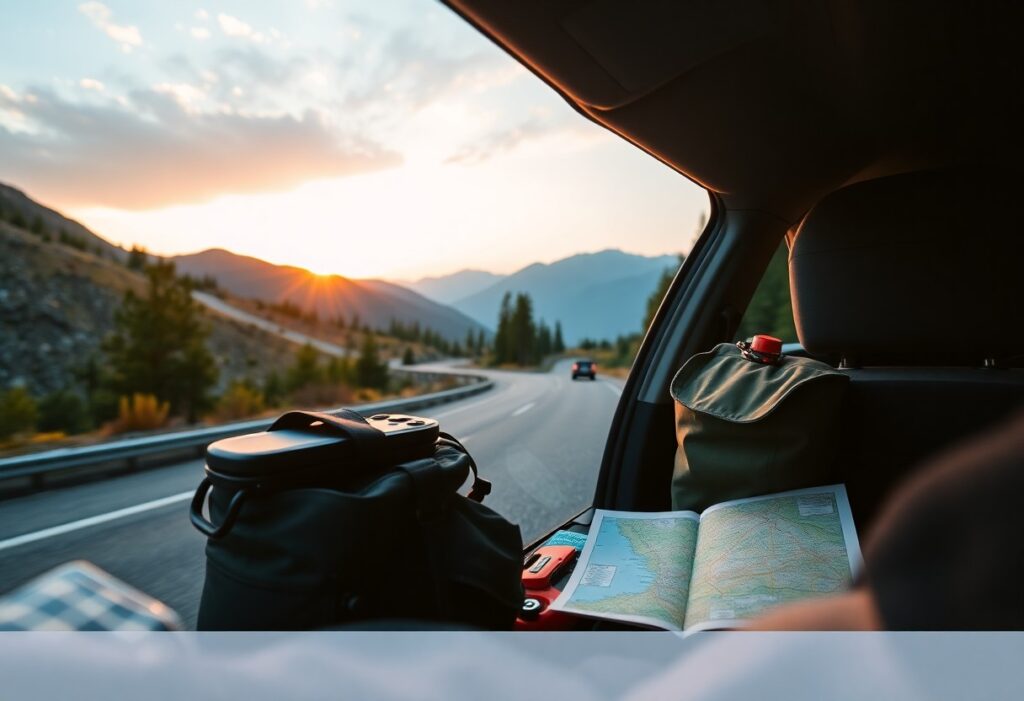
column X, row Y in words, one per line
column 81, row 596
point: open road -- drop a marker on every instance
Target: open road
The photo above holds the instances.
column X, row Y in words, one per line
column 538, row 437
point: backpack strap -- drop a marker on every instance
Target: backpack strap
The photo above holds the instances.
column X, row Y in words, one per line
column 481, row 487
column 343, row 422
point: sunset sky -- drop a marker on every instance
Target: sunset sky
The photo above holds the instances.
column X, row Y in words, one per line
column 369, row 139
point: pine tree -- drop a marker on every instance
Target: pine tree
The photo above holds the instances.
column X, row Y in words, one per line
column 273, row 389
column 305, row 369
column 770, row 310
column 524, row 331
column 370, row 371
column 339, row 371
column 502, row 340
column 558, row 344
column 544, row 342
column 137, row 258
column 159, row 346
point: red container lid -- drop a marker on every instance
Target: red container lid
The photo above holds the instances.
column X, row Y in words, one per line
column 768, row 345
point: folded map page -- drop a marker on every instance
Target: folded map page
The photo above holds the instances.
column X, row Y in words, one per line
column 678, row 570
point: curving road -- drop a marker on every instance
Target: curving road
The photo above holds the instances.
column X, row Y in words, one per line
column 537, row 436
column 215, row 304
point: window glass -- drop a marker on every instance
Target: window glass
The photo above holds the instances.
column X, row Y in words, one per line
column 771, row 309
column 214, row 215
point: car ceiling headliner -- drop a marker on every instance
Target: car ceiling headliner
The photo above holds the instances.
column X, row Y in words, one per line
column 774, row 103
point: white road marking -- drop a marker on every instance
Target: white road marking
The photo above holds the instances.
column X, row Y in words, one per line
column 472, row 405
column 613, row 388
column 523, row 409
column 93, row 521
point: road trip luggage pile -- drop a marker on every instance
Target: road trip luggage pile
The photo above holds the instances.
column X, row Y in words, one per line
column 320, row 522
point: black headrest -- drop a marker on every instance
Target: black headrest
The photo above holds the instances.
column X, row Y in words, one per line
column 916, row 269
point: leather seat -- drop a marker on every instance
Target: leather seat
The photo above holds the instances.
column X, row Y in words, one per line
column 915, row 282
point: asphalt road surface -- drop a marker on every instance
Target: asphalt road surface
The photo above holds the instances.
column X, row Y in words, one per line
column 538, row 437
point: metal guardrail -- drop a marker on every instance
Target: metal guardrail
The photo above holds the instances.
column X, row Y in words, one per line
column 37, row 466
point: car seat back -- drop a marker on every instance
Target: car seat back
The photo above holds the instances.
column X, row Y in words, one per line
column 913, row 282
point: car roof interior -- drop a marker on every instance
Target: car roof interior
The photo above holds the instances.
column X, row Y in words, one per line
column 773, row 104
column 879, row 139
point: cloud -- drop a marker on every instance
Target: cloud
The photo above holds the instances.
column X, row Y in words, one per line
column 247, row 119
column 128, row 36
column 91, row 84
column 200, row 33
column 234, row 27
column 503, row 141
column 403, row 73
column 152, row 151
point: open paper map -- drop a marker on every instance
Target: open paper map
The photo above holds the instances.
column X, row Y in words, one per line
column 678, row 570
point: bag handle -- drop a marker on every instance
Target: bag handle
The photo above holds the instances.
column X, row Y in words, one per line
column 342, row 422
column 481, row 487
column 195, row 512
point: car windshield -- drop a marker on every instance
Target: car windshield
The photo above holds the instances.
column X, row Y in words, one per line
column 299, row 206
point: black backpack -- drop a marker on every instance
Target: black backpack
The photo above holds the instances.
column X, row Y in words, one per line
column 356, row 542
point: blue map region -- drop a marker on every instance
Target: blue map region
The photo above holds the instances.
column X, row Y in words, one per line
column 632, row 575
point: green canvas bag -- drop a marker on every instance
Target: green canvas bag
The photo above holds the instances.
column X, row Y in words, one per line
column 746, row 428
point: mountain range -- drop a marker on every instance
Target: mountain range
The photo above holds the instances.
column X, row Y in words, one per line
column 375, row 302
column 594, row 295
column 451, row 288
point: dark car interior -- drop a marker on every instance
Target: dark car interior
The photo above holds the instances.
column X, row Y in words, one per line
column 879, row 140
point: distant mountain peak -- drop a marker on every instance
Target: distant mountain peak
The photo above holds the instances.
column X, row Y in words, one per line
column 375, row 302
column 596, row 294
column 448, row 288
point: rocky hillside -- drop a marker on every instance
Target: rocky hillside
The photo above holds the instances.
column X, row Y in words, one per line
column 57, row 303
column 23, row 212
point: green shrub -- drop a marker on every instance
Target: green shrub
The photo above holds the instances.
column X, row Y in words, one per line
column 239, row 401
column 63, row 411
column 18, row 412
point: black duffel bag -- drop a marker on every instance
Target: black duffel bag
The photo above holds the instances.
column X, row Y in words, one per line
column 353, row 540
